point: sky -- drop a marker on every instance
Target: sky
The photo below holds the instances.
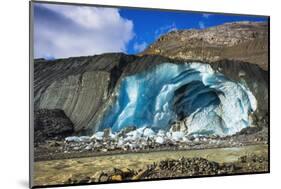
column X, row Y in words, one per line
column 62, row 31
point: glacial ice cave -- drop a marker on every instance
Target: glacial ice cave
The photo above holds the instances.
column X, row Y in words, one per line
column 211, row 103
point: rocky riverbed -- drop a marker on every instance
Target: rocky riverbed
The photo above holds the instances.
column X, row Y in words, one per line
column 152, row 165
column 181, row 167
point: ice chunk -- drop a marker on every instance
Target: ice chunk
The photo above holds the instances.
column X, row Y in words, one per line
column 148, row 132
column 85, row 138
column 98, row 135
column 78, row 139
column 177, row 136
column 159, row 140
column 72, row 139
column 133, row 135
column 161, row 133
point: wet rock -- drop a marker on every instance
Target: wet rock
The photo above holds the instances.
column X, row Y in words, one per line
column 143, row 174
column 115, row 174
column 78, row 179
column 104, row 177
column 116, row 178
column 54, row 143
column 259, row 139
column 126, row 173
column 190, row 137
column 85, row 180
column 249, row 130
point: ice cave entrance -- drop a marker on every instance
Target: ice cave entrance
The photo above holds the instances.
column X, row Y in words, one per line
column 211, row 103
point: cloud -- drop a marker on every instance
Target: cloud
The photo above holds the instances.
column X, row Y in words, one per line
column 67, row 31
column 201, row 25
column 139, row 47
column 164, row 29
column 205, row 15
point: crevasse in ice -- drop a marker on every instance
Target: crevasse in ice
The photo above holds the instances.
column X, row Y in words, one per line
column 210, row 102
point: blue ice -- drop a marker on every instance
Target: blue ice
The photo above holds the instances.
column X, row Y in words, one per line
column 210, row 102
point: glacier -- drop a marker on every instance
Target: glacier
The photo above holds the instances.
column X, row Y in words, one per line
column 210, row 103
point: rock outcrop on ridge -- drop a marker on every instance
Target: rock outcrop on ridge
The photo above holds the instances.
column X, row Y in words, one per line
column 245, row 41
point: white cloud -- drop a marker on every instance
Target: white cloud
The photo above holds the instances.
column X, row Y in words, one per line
column 201, row 25
column 164, row 29
column 139, row 47
column 79, row 31
column 205, row 15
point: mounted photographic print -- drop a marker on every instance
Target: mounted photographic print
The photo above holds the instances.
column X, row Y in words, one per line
column 122, row 94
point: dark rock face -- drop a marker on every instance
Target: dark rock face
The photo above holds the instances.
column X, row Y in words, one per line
column 78, row 86
column 50, row 124
column 244, row 41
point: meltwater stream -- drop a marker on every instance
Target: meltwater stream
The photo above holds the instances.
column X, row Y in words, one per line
column 210, row 102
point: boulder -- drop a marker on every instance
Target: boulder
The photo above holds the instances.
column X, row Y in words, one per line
column 179, row 126
column 126, row 130
column 50, row 124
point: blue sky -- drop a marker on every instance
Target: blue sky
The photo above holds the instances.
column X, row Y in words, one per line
column 66, row 30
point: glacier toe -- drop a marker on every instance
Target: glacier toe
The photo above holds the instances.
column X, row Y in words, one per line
column 209, row 102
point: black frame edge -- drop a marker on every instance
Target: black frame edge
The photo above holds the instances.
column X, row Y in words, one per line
column 31, row 104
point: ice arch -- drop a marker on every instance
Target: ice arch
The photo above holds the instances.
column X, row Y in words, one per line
column 210, row 102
